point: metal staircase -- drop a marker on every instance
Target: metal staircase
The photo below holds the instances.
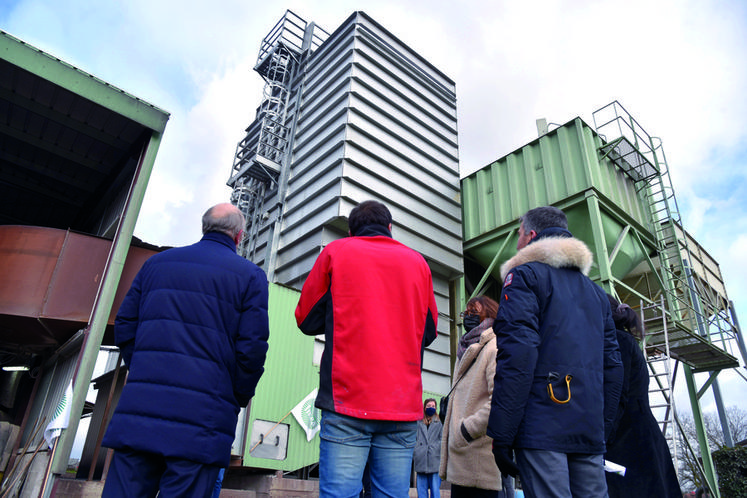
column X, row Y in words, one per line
column 661, row 375
column 261, row 153
column 249, row 195
column 696, row 323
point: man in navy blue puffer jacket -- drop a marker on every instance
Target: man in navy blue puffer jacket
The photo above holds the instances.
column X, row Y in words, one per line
column 558, row 374
column 193, row 332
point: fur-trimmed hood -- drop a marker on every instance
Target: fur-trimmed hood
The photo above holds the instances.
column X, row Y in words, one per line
column 558, row 252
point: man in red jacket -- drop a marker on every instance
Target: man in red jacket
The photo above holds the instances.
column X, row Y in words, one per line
column 372, row 298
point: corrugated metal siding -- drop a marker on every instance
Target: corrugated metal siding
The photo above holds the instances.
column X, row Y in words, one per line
column 562, row 168
column 436, row 365
column 376, row 121
column 51, row 389
column 557, row 166
column 704, row 268
column 289, row 376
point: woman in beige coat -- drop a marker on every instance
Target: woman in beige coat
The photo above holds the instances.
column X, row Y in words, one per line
column 466, row 457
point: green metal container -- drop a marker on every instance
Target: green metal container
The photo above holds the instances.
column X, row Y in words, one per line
column 562, row 168
column 290, row 375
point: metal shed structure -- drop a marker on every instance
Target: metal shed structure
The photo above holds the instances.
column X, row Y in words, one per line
column 75, row 158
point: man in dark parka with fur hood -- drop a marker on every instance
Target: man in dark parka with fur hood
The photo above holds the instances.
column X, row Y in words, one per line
column 193, row 331
column 558, row 372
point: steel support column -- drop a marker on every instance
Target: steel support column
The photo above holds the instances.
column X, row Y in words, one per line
column 600, row 245
column 705, row 452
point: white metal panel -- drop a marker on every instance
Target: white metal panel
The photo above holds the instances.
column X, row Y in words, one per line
column 399, row 55
column 381, row 124
column 398, row 89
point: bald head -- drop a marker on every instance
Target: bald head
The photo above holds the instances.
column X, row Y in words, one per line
column 225, row 218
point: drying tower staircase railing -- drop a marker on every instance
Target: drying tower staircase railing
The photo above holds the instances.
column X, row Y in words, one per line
column 661, row 375
column 261, row 153
column 695, row 325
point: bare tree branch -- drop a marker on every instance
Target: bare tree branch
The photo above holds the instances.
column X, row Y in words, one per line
column 689, row 469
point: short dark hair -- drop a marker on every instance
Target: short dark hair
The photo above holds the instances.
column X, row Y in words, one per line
column 368, row 213
column 230, row 224
column 540, row 218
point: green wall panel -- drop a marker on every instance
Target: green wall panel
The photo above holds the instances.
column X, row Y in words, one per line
column 289, row 376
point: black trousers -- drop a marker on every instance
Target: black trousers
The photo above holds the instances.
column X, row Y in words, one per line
column 139, row 474
column 463, row 492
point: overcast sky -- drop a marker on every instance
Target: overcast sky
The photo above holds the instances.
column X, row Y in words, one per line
column 678, row 66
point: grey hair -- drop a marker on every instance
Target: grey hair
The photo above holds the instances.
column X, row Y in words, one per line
column 230, row 224
column 540, row 218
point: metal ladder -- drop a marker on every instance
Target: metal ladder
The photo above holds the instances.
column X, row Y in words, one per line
column 273, row 135
column 248, row 195
column 666, row 221
column 260, row 154
column 659, row 361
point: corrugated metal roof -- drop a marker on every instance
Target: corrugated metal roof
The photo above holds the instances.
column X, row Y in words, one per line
column 69, row 142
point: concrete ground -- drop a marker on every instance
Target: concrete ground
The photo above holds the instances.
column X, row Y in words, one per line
column 265, row 487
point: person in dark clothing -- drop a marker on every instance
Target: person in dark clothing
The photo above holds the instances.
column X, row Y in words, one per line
column 636, row 442
column 558, row 371
column 193, row 331
column 427, row 454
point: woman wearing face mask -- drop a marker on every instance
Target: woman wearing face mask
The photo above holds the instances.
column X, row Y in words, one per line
column 466, row 451
column 427, row 451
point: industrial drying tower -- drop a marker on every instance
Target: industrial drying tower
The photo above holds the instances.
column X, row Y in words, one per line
column 346, row 117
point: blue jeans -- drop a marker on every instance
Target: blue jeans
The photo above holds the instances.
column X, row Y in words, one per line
column 550, row 474
column 344, row 449
column 218, row 484
column 507, row 485
column 429, row 481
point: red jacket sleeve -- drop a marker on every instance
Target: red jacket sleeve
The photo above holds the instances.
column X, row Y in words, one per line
column 312, row 305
